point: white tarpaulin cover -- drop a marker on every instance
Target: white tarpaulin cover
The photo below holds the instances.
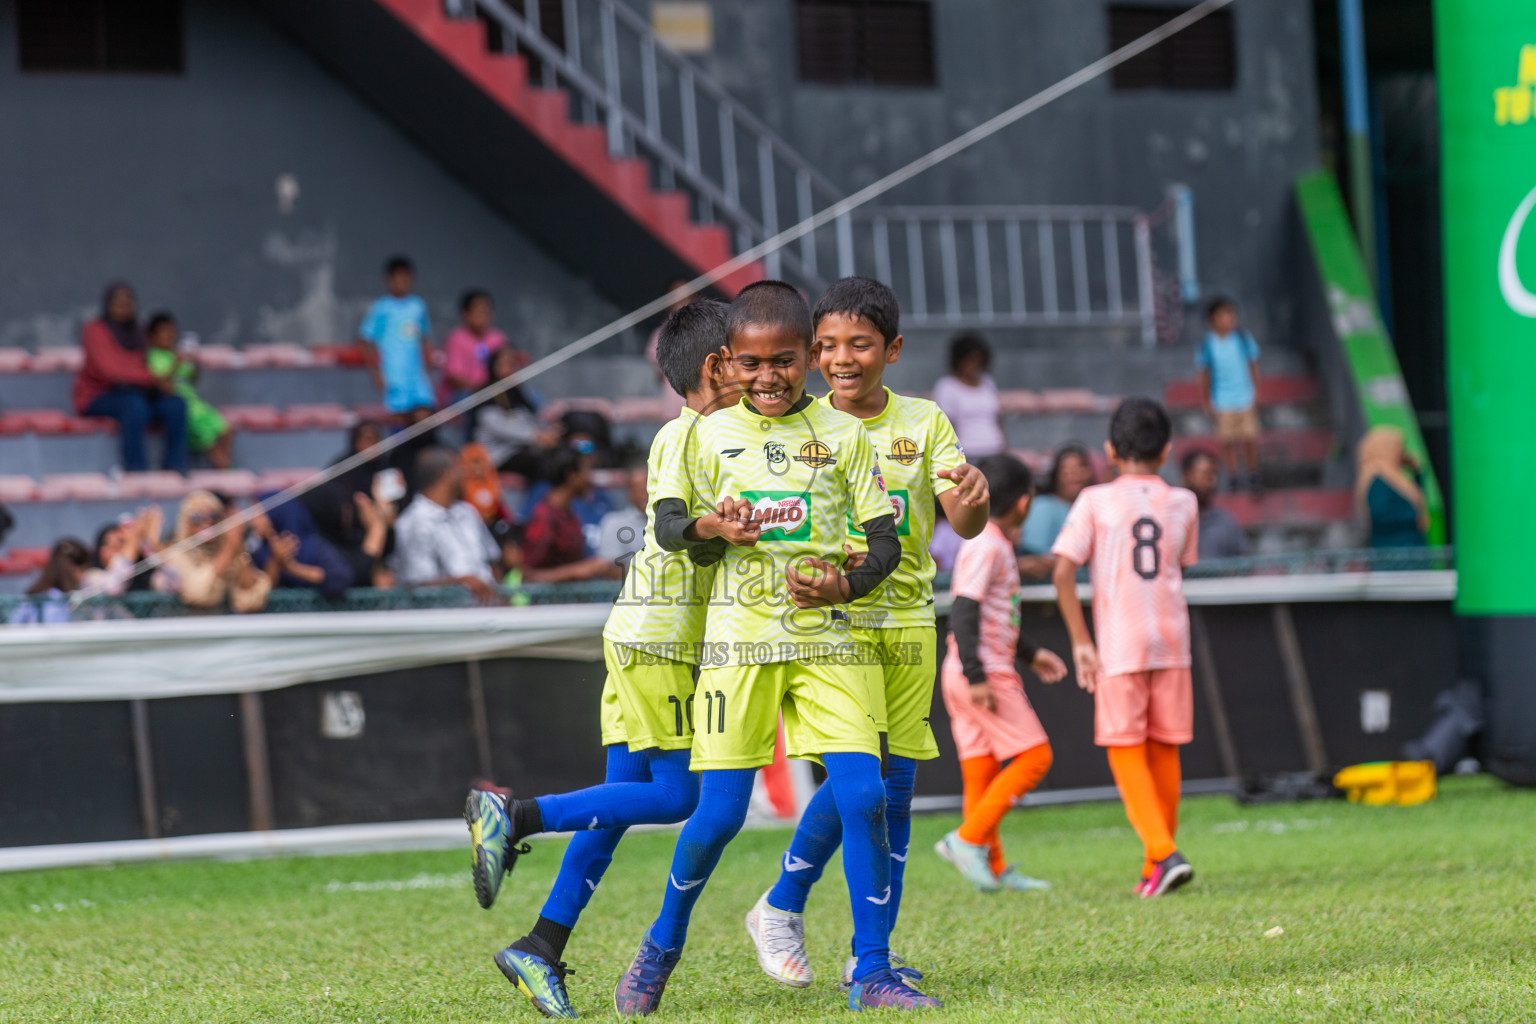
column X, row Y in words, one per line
column 128, row 659
column 125, row 659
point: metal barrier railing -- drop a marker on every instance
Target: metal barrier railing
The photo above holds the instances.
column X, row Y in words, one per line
column 155, row 605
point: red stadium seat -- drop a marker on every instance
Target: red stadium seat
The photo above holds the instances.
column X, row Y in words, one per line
column 278, row 354
column 281, row 479
column 18, row 488
column 15, row 360
column 554, row 410
column 253, row 417
column 1018, row 402
column 45, row 421
column 23, row 561
column 58, row 359
column 219, row 357
column 76, row 487
column 1068, row 400
column 319, row 416
column 152, row 485
column 236, row 483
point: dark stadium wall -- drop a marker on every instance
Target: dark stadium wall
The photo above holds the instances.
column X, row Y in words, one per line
column 1239, row 150
column 176, row 183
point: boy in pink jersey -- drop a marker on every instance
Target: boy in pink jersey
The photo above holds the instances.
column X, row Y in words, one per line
column 983, row 687
column 1136, row 534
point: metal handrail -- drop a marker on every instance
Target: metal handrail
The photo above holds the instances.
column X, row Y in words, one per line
column 722, row 193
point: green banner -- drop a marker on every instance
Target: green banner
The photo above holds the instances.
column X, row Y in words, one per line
column 1485, row 51
column 1357, row 324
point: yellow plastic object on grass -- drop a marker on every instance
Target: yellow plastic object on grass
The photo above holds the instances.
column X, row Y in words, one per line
column 1404, row 783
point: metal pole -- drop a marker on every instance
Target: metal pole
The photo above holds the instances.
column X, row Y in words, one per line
column 1144, row 284
column 479, row 720
column 1358, row 131
column 1301, row 689
column 1184, row 238
column 1210, row 686
column 258, row 773
column 144, row 768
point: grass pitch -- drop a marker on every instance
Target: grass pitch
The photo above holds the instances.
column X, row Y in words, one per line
column 1307, row 912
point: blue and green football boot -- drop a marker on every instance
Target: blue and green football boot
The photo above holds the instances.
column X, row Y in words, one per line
column 490, row 839
column 538, row 979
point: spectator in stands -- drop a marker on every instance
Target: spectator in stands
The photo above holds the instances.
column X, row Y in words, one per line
column 217, row 569
column 968, row 396
column 115, row 382
column 1220, row 535
column 60, row 577
column 1228, row 361
column 440, row 539
column 355, row 513
column 508, row 425
column 1071, row 471
column 1389, row 491
column 294, row 553
column 621, row 532
column 119, row 546
column 399, row 344
column 554, row 542
column 207, row 431
column 467, row 350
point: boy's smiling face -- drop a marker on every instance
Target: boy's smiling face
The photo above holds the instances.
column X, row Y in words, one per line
column 770, row 363
column 852, row 355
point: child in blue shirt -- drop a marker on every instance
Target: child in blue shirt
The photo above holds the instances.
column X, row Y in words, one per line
column 1228, row 361
column 399, row 337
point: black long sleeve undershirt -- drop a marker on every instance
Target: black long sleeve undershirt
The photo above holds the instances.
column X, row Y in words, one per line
column 965, row 624
column 672, row 522
column 883, row 558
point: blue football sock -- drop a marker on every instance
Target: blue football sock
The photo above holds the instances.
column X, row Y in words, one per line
column 588, row 854
column 860, row 794
column 723, row 798
column 666, row 794
column 900, row 780
column 816, row 839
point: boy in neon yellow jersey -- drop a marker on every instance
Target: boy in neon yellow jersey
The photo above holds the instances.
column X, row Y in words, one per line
column 857, row 336
column 651, row 646
column 786, row 473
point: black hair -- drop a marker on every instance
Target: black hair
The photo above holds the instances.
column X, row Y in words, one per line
column 1193, row 456
column 67, row 551
column 473, row 295
column 688, row 337
column 507, row 532
column 1008, row 480
column 357, row 432
column 432, row 463
column 1071, row 448
column 395, row 263
column 862, row 297
column 963, row 346
column 154, row 322
column 770, row 304
column 1220, row 302
column 101, row 540
column 1139, row 430
column 561, row 464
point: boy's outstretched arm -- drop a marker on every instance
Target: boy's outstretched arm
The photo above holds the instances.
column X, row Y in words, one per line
column 1085, row 656
column 965, row 504
column 816, row 583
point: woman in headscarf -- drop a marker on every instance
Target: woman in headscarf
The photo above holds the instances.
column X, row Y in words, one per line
column 508, row 425
column 203, row 576
column 115, row 382
column 1388, row 494
column 1070, row 473
column 305, row 559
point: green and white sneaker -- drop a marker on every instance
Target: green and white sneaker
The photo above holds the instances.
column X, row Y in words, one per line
column 490, row 831
column 972, row 860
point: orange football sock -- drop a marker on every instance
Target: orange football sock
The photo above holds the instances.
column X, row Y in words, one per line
column 1133, row 777
column 977, row 774
column 1023, row 773
column 1163, row 761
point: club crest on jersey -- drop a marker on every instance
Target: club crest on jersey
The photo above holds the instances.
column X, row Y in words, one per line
column 773, row 453
column 780, row 515
column 815, row 454
column 905, row 451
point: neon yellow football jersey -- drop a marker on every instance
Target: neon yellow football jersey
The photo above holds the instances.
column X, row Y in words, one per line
column 661, row 608
column 913, row 441
column 805, row 474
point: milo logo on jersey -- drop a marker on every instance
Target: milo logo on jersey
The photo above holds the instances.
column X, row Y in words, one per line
column 781, row 515
column 898, row 506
